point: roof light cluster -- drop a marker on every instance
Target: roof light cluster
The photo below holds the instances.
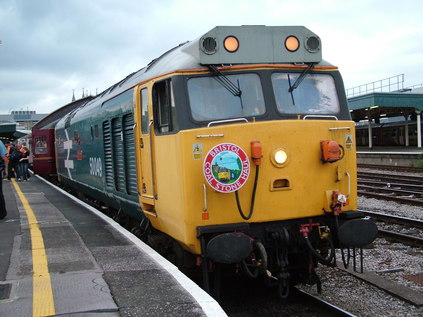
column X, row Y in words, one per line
column 255, row 44
column 231, row 44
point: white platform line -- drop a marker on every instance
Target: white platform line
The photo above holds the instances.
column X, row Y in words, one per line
column 387, row 153
column 208, row 304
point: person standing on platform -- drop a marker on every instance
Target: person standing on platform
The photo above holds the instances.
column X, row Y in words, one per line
column 13, row 166
column 24, row 163
column 3, row 152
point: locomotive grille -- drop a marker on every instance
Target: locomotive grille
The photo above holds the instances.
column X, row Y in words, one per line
column 108, row 161
column 119, row 163
column 129, row 148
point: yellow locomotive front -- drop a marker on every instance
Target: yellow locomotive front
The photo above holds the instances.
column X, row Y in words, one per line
column 253, row 163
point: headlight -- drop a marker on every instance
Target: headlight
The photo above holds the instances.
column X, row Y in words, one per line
column 279, row 157
column 291, row 43
column 231, row 44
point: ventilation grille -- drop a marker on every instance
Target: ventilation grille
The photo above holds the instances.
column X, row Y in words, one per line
column 119, row 163
column 108, row 160
column 130, row 160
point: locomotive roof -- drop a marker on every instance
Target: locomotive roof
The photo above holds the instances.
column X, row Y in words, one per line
column 51, row 120
column 252, row 38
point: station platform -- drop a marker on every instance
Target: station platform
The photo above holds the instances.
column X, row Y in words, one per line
column 60, row 257
column 390, row 155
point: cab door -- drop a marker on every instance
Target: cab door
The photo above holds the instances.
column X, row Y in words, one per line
column 146, row 133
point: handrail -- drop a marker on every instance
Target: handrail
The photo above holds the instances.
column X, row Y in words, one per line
column 340, row 128
column 226, row 121
column 205, row 197
column 210, row 136
column 319, row 116
column 349, row 184
column 152, row 160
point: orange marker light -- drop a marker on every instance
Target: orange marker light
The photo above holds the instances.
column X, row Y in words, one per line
column 330, row 151
column 291, row 43
column 256, row 152
column 231, row 44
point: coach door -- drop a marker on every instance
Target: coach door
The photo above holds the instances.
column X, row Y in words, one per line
column 147, row 190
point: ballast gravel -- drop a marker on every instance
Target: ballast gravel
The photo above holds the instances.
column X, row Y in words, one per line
column 363, row 299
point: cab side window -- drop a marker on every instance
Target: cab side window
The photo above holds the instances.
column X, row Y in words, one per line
column 164, row 107
column 144, row 111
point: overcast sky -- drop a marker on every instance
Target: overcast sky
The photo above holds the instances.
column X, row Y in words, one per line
column 51, row 47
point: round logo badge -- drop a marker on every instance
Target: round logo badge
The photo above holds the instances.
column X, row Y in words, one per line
column 226, row 167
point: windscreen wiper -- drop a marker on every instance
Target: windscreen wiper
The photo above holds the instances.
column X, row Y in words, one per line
column 226, row 82
column 300, row 79
column 290, row 90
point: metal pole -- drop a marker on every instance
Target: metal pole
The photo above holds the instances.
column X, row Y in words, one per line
column 419, row 129
column 407, row 140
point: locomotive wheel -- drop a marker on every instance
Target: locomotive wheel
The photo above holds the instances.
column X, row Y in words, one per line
column 175, row 254
column 256, row 263
column 159, row 243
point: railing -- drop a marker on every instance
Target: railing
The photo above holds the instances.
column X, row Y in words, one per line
column 394, row 83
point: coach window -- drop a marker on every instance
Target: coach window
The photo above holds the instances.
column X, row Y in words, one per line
column 144, row 111
column 165, row 112
column 41, row 145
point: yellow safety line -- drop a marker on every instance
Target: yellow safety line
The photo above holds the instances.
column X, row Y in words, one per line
column 42, row 301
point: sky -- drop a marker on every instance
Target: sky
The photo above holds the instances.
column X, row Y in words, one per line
column 50, row 49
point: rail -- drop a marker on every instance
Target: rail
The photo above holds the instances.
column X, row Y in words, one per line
column 338, row 311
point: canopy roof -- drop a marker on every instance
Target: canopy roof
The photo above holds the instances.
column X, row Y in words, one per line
column 8, row 132
column 388, row 104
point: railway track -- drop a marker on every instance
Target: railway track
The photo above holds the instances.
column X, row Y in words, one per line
column 394, row 235
column 405, row 179
column 394, row 219
column 399, row 199
column 333, row 310
column 261, row 300
column 376, row 278
column 392, row 168
column 403, row 238
column 399, row 188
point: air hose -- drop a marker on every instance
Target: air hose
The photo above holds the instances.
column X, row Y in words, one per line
column 324, row 260
column 253, row 197
column 259, row 265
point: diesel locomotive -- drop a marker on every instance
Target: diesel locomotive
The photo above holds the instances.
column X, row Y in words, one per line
column 233, row 150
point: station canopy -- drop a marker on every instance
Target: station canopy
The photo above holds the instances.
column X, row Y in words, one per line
column 385, row 104
column 8, row 132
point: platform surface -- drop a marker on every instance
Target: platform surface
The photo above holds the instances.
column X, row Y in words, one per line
column 386, row 150
column 94, row 267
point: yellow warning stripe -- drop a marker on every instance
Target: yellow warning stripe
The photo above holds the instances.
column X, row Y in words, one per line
column 42, row 301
